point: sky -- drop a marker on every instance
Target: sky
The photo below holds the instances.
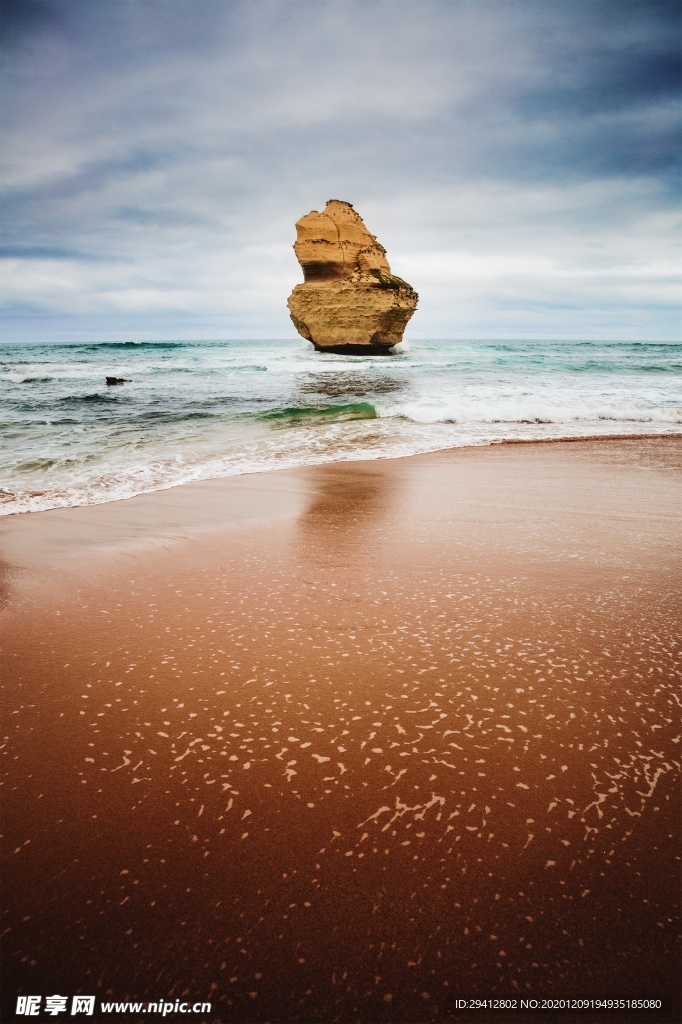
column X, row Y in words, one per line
column 518, row 159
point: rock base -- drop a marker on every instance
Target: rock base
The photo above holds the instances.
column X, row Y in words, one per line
column 356, row 350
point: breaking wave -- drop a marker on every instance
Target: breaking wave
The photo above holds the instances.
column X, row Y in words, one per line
column 316, row 413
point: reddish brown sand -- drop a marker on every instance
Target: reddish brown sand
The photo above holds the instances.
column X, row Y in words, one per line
column 353, row 742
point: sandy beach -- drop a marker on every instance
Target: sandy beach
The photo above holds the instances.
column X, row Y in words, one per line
column 351, row 742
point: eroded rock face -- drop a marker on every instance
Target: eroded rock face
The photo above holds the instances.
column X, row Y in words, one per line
column 350, row 301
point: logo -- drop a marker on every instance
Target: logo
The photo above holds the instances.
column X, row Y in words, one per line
column 29, row 1006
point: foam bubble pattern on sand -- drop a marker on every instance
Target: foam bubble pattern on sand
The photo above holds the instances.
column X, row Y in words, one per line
column 411, row 789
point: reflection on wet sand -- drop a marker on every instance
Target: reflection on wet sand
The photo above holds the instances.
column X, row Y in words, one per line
column 348, row 515
column 349, row 769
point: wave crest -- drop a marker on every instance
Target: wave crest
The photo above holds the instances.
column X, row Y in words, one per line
column 317, row 413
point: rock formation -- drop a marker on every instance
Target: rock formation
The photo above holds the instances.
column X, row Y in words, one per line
column 350, row 302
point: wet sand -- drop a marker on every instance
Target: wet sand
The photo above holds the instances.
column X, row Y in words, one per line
column 353, row 742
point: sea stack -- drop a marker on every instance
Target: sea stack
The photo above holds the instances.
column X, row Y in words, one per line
column 349, row 301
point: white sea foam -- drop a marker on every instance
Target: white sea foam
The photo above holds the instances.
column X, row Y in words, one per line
column 532, row 410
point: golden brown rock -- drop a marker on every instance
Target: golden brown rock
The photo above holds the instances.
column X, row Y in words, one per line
column 349, row 301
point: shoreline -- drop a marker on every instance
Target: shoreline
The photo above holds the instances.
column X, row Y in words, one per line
column 353, row 740
column 635, row 436
column 184, row 510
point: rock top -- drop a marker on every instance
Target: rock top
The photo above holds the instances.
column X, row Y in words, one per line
column 349, row 301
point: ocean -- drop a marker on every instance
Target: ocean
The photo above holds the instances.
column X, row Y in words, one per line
column 195, row 410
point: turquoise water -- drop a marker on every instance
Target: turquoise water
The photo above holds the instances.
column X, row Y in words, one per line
column 194, row 410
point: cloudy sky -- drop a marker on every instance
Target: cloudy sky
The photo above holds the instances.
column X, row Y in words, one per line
column 519, row 159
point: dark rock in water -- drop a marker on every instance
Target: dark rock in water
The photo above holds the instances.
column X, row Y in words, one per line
column 117, row 380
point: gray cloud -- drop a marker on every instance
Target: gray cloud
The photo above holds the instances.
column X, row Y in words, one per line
column 23, row 19
column 511, row 154
column 46, row 252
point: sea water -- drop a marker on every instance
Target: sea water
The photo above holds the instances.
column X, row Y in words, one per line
column 195, row 410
